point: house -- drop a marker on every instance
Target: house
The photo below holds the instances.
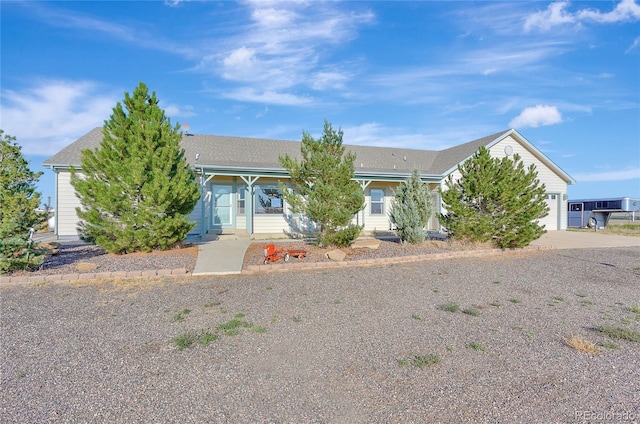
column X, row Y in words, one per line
column 239, row 181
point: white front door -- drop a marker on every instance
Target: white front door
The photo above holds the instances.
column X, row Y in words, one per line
column 222, row 211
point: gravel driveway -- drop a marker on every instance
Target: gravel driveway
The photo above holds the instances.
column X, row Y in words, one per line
column 361, row 345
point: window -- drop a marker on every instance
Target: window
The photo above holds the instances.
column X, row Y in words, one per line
column 576, row 207
column 551, row 197
column 241, row 196
column 377, row 201
column 268, row 199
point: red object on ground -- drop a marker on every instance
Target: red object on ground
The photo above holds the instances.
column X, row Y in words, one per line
column 271, row 254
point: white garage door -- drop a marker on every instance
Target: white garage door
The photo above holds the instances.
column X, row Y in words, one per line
column 551, row 221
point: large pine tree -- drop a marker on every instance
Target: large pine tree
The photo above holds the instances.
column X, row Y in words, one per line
column 136, row 189
column 495, row 200
column 18, row 202
column 411, row 209
column 325, row 189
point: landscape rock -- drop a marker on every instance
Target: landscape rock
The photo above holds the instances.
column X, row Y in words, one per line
column 336, row 255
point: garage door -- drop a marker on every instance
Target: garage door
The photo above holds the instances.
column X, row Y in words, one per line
column 551, row 221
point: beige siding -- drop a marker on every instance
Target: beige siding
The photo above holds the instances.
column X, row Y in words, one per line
column 196, row 216
column 377, row 222
column 273, row 224
column 554, row 184
column 66, row 203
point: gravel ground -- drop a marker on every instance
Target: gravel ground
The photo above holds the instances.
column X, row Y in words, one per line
column 73, row 253
column 389, row 247
column 332, row 346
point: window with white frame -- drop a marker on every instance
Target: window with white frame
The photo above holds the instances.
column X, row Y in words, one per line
column 241, row 196
column 377, row 201
column 268, row 199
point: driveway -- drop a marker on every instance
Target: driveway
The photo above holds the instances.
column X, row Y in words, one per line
column 466, row 340
column 584, row 240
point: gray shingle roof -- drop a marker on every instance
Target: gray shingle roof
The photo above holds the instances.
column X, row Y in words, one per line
column 256, row 154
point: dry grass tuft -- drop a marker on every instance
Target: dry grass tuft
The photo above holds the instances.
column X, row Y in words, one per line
column 584, row 345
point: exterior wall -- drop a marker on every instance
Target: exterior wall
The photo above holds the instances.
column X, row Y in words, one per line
column 557, row 219
column 553, row 183
column 66, row 204
column 269, row 223
column 378, row 222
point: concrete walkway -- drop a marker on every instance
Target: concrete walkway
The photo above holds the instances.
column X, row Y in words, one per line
column 583, row 239
column 220, row 256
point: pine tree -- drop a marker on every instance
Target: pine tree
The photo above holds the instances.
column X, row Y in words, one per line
column 18, row 202
column 326, row 192
column 495, row 200
column 411, row 209
column 136, row 189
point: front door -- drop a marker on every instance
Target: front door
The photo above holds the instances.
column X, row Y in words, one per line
column 222, row 211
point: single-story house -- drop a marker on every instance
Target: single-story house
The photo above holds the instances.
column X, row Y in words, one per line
column 239, row 181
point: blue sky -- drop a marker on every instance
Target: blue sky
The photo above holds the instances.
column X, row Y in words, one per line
column 418, row 74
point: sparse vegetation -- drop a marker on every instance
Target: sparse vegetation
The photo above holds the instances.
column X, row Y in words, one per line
column 204, row 337
column 403, row 362
column 476, row 346
column 233, row 327
column 416, row 317
column 608, row 345
column 619, row 333
column 426, row 361
column 496, row 303
column 449, row 307
column 185, row 340
column 582, row 344
column 471, row 311
column 515, row 300
column 180, row 316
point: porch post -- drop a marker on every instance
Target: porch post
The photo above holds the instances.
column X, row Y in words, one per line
column 203, row 199
column 363, row 184
column 249, row 181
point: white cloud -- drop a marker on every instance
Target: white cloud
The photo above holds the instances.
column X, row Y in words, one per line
column 634, row 45
column 249, row 94
column 557, row 14
column 625, row 11
column 554, row 15
column 375, row 134
column 172, row 111
column 623, row 175
column 282, row 47
column 537, row 116
column 324, row 80
column 51, row 114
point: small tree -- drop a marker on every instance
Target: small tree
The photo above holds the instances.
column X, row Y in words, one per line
column 495, row 200
column 326, row 192
column 411, row 209
column 18, row 202
column 136, row 188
